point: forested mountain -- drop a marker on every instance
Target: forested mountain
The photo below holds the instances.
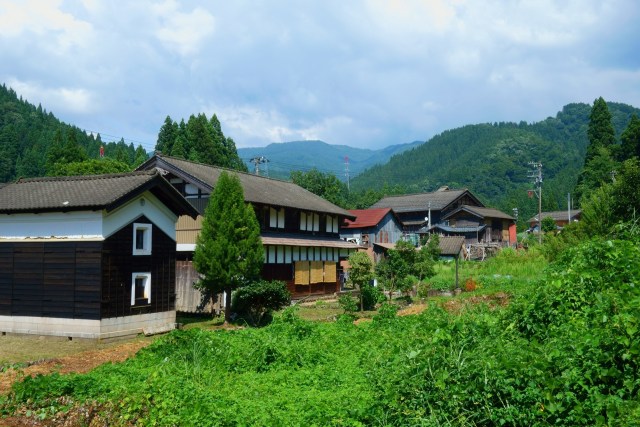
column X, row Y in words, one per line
column 492, row 160
column 285, row 157
column 33, row 141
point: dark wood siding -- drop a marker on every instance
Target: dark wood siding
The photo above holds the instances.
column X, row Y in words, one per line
column 50, row 279
column 119, row 264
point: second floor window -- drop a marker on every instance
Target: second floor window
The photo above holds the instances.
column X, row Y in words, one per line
column 141, row 239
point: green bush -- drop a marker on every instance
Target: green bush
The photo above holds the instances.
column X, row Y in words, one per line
column 255, row 302
column 386, row 311
column 348, row 303
column 371, row 296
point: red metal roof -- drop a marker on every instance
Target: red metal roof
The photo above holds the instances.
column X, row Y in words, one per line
column 366, row 217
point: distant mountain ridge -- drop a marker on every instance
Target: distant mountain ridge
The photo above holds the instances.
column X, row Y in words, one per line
column 284, row 157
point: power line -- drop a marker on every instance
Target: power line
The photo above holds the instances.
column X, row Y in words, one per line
column 146, row 145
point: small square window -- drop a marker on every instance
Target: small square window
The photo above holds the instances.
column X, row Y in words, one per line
column 141, row 239
column 140, row 289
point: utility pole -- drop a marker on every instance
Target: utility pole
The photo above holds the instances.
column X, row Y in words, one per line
column 346, row 170
column 256, row 163
column 515, row 215
column 536, row 175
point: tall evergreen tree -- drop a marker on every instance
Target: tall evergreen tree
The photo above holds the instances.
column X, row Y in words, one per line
column 167, row 136
column 630, row 140
column 600, row 132
column 229, row 251
column 199, row 140
column 598, row 158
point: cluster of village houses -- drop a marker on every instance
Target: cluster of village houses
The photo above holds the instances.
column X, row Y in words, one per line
column 107, row 256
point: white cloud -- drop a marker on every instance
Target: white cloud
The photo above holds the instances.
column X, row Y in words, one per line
column 363, row 72
column 180, row 31
column 59, row 100
column 45, row 19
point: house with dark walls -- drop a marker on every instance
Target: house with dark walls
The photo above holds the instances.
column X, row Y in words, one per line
column 450, row 213
column 89, row 256
column 300, row 231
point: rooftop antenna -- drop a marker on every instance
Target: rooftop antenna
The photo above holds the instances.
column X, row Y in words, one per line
column 256, row 164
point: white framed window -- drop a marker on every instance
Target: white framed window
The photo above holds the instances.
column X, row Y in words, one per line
column 140, row 289
column 142, row 239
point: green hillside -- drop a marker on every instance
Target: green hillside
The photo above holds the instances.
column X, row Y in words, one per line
column 30, row 137
column 492, row 160
column 290, row 156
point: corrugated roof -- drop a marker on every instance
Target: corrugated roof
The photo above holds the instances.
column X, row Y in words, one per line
column 481, row 212
column 71, row 193
column 450, row 229
column 558, row 215
column 366, row 217
column 420, row 202
column 450, row 245
column 257, row 189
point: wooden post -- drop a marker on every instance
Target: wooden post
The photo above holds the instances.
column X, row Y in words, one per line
column 457, row 257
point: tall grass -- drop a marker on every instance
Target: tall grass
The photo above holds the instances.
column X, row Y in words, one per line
column 508, row 270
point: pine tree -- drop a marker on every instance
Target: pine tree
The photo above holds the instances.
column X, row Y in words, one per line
column 229, row 251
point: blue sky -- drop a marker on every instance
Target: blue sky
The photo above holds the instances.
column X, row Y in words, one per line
column 362, row 73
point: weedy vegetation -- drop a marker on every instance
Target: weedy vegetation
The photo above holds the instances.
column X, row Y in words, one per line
column 564, row 352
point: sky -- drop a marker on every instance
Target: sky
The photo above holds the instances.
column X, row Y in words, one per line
column 362, row 73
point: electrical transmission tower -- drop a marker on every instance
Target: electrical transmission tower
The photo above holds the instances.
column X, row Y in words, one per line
column 257, row 161
column 346, row 170
column 536, row 174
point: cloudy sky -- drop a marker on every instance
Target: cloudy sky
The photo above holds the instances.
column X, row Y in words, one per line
column 362, row 73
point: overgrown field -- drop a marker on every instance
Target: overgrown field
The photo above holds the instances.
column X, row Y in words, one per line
column 564, row 352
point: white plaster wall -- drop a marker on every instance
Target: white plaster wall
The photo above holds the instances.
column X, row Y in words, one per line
column 69, row 225
column 77, row 328
column 152, row 208
column 92, row 329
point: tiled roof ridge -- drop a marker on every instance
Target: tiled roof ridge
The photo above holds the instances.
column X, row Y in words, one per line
column 164, row 156
column 150, row 172
column 427, row 192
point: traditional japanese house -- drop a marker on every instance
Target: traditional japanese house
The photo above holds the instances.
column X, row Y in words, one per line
column 451, row 213
column 372, row 227
column 477, row 224
column 89, row 256
column 417, row 210
column 300, row 231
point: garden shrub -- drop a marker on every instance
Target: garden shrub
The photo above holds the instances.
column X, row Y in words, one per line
column 256, row 301
column 371, row 296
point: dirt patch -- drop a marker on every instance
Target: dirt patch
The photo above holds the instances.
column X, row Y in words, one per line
column 80, row 363
column 457, row 305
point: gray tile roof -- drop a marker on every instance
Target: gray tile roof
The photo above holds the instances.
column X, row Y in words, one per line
column 420, row 202
column 50, row 194
column 257, row 189
column 481, row 212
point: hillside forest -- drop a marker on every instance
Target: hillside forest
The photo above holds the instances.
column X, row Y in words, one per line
column 33, row 142
column 492, row 160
